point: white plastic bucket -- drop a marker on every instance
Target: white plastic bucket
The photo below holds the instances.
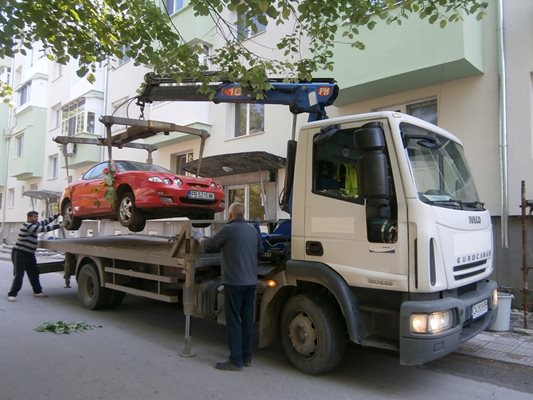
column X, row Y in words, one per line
column 502, row 321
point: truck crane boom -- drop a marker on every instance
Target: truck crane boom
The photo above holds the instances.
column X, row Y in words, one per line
column 302, row 97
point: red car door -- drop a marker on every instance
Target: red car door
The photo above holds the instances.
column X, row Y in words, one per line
column 88, row 195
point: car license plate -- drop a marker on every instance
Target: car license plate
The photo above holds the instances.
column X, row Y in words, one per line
column 194, row 194
column 480, row 308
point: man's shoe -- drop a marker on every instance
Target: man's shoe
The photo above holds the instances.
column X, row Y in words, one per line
column 247, row 363
column 41, row 294
column 228, row 366
column 11, row 298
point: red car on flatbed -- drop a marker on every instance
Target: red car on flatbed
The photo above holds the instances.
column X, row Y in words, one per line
column 132, row 192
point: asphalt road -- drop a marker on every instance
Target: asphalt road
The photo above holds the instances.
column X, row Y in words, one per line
column 135, row 355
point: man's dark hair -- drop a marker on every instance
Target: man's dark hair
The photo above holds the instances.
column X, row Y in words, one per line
column 31, row 213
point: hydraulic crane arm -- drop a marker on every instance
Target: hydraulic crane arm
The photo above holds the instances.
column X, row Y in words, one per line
column 301, row 97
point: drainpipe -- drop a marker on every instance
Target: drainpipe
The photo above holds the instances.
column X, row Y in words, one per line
column 7, row 137
column 504, row 167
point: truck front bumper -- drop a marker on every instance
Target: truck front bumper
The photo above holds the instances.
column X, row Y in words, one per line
column 419, row 348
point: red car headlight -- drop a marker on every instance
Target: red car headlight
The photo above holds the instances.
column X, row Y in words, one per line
column 155, row 179
column 177, row 181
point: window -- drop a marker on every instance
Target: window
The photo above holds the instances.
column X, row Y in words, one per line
column 52, row 167
column 96, row 172
column 335, row 166
column 5, row 74
column 90, row 122
column 173, row 6
column 24, row 93
column 251, row 197
column 204, row 55
column 73, row 122
column 249, row 119
column 426, row 110
column 56, row 117
column 57, row 70
column 125, row 58
column 246, row 32
column 19, row 145
column 11, row 198
column 181, row 161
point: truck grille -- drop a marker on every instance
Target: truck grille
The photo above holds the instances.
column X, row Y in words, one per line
column 465, row 271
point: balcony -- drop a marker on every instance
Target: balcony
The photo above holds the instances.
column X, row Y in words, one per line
column 194, row 28
column 413, row 55
column 163, row 140
column 30, row 128
column 82, row 155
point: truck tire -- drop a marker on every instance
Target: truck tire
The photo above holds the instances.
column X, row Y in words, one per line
column 90, row 292
column 71, row 223
column 114, row 298
column 128, row 215
column 312, row 334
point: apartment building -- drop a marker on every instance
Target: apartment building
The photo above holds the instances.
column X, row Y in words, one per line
column 463, row 78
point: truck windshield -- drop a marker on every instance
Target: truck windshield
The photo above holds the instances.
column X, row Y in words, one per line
column 439, row 168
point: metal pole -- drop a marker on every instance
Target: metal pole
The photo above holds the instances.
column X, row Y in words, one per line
column 188, row 295
column 504, row 183
column 525, row 268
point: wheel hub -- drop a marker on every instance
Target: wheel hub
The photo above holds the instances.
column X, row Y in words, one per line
column 125, row 209
column 302, row 334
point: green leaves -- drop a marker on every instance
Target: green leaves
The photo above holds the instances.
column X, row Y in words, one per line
column 93, row 30
column 65, row 328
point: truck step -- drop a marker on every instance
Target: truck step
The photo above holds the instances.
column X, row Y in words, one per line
column 379, row 342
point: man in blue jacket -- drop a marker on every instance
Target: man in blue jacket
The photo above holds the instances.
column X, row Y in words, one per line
column 23, row 255
column 240, row 245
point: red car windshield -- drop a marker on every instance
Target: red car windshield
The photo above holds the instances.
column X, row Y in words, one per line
column 123, row 166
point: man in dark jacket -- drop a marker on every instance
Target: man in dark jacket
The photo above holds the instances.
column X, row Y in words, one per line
column 240, row 245
column 23, row 255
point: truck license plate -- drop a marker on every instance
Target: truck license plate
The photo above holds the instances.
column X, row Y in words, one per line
column 194, row 194
column 480, row 308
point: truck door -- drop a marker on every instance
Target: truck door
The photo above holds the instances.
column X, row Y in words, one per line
column 351, row 212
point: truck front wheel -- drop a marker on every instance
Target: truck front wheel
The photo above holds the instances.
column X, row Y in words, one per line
column 312, row 334
column 91, row 294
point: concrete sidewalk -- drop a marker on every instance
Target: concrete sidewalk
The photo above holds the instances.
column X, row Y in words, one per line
column 513, row 346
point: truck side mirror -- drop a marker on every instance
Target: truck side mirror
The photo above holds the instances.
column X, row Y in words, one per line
column 373, row 164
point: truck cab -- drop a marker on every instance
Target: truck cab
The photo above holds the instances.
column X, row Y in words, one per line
column 387, row 205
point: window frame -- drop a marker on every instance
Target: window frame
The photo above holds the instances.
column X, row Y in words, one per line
column 75, row 115
column 246, row 201
column 246, row 32
column 175, row 6
column 19, row 145
column 24, row 94
column 53, row 167
column 247, row 127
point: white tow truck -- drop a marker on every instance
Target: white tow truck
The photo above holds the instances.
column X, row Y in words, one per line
column 388, row 244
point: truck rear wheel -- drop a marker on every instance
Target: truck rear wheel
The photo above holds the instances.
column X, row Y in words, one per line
column 90, row 292
column 312, row 334
column 114, row 298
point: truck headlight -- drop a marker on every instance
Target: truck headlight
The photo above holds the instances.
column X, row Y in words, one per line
column 431, row 322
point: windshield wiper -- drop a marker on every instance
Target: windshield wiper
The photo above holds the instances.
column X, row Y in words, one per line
column 474, row 204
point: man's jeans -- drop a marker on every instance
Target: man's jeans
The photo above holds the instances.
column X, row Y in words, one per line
column 239, row 312
column 24, row 262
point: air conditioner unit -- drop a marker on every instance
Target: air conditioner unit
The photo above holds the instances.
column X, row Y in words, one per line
column 70, row 149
